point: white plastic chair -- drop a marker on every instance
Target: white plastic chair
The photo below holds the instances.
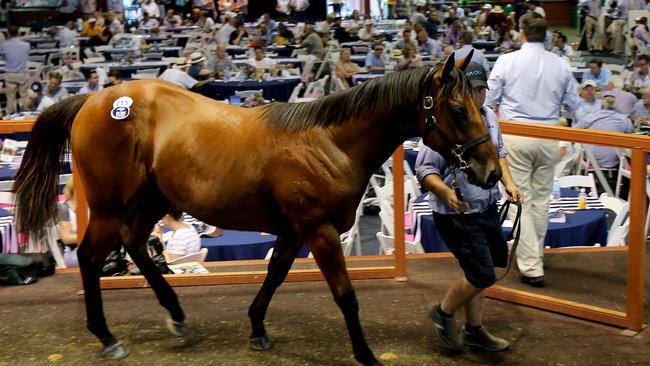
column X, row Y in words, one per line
column 617, row 236
column 296, row 92
column 387, row 245
column 613, row 204
column 316, row 89
column 248, row 93
column 352, row 239
column 623, row 169
column 195, row 257
column 580, row 181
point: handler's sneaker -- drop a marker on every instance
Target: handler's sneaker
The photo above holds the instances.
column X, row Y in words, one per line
column 481, row 338
column 445, row 327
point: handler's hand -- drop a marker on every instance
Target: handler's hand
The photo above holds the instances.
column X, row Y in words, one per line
column 454, row 202
column 514, row 194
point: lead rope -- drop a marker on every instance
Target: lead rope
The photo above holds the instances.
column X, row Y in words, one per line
column 516, row 229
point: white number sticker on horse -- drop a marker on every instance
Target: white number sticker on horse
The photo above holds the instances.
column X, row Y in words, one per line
column 121, row 108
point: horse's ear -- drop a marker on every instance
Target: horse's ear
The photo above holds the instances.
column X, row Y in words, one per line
column 462, row 63
column 446, row 70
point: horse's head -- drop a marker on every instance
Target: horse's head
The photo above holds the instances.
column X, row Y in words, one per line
column 454, row 127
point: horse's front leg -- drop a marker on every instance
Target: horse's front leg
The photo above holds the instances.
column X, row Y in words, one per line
column 325, row 244
column 284, row 252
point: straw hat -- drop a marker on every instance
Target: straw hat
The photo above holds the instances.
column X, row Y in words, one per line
column 180, row 63
column 196, row 57
column 497, row 9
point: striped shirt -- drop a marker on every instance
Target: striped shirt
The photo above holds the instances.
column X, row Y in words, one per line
column 184, row 241
column 531, row 85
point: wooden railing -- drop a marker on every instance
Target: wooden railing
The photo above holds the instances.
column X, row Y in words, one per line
column 631, row 319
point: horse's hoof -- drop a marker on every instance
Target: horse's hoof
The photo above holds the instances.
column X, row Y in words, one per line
column 262, row 343
column 368, row 361
column 177, row 328
column 115, row 352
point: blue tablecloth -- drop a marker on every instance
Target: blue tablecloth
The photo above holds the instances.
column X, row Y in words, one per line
column 582, row 228
column 279, row 89
column 125, row 70
column 410, row 156
column 281, row 51
column 166, row 51
column 240, row 245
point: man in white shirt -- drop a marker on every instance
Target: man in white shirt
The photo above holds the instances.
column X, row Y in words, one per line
column 260, row 61
column 531, row 85
column 534, row 7
column 93, row 84
column 367, row 33
column 178, row 75
column 67, row 36
column 223, row 36
column 148, row 23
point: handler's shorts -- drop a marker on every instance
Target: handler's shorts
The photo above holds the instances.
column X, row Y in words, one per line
column 477, row 242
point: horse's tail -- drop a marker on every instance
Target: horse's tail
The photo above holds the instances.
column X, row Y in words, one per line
column 36, row 183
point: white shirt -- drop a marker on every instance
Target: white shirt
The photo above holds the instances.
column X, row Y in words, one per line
column 178, row 77
column 67, row 37
column 223, row 36
column 531, row 85
column 184, row 241
column 152, row 9
column 85, row 89
column 149, row 24
column 265, row 63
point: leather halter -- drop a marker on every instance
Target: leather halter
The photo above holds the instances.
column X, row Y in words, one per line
column 457, row 150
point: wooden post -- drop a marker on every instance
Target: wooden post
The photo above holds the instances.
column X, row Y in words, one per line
column 636, row 241
column 398, row 213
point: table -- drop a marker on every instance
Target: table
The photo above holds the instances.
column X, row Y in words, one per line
column 172, row 51
column 294, row 62
column 179, row 29
column 234, row 245
column 577, row 73
column 73, row 86
column 582, row 228
column 125, row 69
column 281, row 51
column 278, row 89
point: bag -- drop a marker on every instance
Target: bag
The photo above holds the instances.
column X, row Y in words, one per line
column 156, row 248
column 16, row 269
column 116, row 263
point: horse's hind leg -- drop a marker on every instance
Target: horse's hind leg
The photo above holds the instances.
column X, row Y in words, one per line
column 325, row 244
column 284, row 252
column 135, row 232
column 101, row 235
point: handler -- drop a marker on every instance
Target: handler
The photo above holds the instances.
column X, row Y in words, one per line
column 469, row 225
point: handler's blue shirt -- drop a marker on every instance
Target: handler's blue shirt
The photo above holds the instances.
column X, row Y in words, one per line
column 478, row 199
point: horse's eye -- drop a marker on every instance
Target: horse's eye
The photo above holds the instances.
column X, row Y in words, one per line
column 457, row 112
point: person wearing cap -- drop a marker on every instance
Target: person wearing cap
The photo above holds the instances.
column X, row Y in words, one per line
column 468, row 222
column 177, row 74
column 589, row 103
column 607, row 119
column 485, row 10
column 532, row 85
column 91, row 28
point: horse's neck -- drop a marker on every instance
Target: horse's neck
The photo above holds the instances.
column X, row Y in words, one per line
column 371, row 138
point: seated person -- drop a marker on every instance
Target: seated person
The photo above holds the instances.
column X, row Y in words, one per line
column 561, row 48
column 406, row 39
column 589, row 103
column 345, row 68
column 376, row 59
column 92, row 85
column 286, row 34
column 597, row 73
column 264, row 36
column 178, row 75
column 606, row 119
column 428, row 45
column 183, row 240
column 641, row 111
column 148, row 23
column 260, row 61
column 114, row 78
column 222, row 62
column 91, row 28
column 52, row 93
column 172, row 20
column 66, row 225
column 367, row 33
column 238, row 35
column 409, row 59
column 197, row 69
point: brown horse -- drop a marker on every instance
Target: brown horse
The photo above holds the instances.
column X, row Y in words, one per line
column 294, row 170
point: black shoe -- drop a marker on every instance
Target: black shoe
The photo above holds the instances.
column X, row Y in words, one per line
column 533, row 281
column 482, row 339
column 446, row 329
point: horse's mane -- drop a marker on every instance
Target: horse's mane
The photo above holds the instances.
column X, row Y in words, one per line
column 384, row 95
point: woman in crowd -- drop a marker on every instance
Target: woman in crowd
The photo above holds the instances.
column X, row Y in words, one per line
column 183, row 240
column 66, row 225
column 409, row 59
column 345, row 68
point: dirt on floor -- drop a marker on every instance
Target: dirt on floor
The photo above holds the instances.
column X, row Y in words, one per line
column 43, row 324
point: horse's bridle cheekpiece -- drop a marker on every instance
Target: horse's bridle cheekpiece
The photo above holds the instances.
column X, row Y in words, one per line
column 457, row 150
